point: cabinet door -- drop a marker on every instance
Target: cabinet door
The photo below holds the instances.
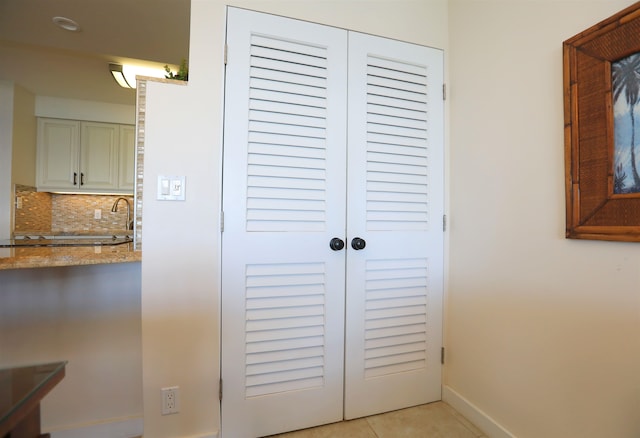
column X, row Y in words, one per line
column 126, row 169
column 57, row 155
column 99, row 156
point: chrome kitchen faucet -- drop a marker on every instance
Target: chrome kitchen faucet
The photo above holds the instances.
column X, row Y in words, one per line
column 129, row 225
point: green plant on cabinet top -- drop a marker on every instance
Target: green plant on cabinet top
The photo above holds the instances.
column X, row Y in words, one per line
column 182, row 74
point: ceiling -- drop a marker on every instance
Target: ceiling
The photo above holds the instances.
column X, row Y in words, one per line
column 50, row 61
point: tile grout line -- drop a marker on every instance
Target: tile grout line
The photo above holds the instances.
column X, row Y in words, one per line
column 466, row 423
column 474, row 432
column 371, row 427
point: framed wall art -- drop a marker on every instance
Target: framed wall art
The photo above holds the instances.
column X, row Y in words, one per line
column 602, row 129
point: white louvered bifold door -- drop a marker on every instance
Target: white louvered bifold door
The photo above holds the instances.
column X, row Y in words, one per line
column 395, row 198
column 305, row 106
column 284, row 200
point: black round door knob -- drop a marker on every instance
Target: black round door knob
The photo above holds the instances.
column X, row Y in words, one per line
column 358, row 243
column 336, row 244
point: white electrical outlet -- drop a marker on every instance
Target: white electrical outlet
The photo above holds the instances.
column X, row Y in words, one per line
column 97, row 213
column 170, row 400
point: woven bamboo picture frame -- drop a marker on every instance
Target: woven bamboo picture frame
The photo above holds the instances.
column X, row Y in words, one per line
column 594, row 210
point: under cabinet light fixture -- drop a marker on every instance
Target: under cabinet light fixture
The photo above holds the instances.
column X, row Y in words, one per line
column 126, row 75
column 118, row 74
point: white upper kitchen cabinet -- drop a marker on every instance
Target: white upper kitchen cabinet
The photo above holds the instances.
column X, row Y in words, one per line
column 84, row 157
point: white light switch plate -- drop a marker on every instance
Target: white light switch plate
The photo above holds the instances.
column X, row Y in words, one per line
column 171, row 188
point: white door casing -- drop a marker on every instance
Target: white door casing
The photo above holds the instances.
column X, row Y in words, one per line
column 287, row 154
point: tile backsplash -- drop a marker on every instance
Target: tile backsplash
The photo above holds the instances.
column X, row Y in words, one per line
column 35, row 212
column 50, row 212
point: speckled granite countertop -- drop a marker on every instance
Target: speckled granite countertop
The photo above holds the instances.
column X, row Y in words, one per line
column 41, row 257
column 50, row 234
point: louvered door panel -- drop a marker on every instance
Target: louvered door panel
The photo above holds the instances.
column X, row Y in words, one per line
column 283, row 200
column 397, row 140
column 287, row 136
column 284, row 313
column 394, row 285
column 395, row 317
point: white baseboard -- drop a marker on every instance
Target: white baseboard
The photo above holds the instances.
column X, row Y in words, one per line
column 118, row 428
column 214, row 435
column 472, row 413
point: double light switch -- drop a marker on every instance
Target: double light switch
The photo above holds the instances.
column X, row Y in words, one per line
column 171, row 188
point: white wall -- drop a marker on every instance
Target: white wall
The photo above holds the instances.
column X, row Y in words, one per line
column 89, row 316
column 180, row 267
column 542, row 333
column 17, row 148
column 56, row 107
column 6, row 146
column 23, row 170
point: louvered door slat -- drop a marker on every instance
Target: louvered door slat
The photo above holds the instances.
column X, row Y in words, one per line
column 291, row 333
column 288, row 67
column 259, row 139
column 403, row 112
column 292, row 119
column 283, row 150
column 286, row 172
column 266, row 182
column 287, row 108
column 390, row 158
column 385, row 101
column 291, row 60
column 256, row 325
column 395, row 65
column 283, row 347
column 391, row 186
column 286, row 129
column 386, row 181
column 397, row 97
column 276, row 193
column 276, row 357
column 377, row 166
column 270, row 84
column 385, row 139
column 397, row 196
column 416, row 126
column 287, row 161
column 302, row 100
column 272, row 41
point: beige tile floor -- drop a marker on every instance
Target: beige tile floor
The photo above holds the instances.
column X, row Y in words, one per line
column 433, row 420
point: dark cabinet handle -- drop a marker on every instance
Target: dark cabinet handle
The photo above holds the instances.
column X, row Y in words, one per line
column 358, row 243
column 82, row 178
column 75, row 178
column 336, row 244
